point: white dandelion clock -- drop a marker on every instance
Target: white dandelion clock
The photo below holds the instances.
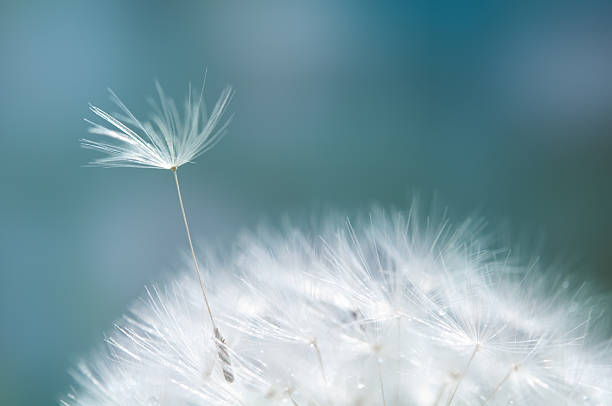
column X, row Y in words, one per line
column 167, row 141
column 387, row 311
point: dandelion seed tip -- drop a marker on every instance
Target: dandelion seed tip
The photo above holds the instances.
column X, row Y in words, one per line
column 173, row 168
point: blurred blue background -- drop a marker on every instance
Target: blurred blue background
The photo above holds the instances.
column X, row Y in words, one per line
column 501, row 106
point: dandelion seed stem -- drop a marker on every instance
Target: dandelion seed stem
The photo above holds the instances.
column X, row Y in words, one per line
column 399, row 358
column 193, row 256
column 290, row 396
column 320, row 359
column 380, row 380
column 440, row 394
column 513, row 369
column 222, row 350
column 462, row 375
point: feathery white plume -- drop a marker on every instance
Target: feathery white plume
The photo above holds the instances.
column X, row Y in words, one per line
column 393, row 311
column 167, row 141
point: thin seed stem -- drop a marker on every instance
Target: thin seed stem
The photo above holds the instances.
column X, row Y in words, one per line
column 222, row 350
column 193, row 256
column 399, row 359
column 501, row 383
column 440, row 394
column 463, row 373
column 380, row 380
column 290, row 396
column 319, row 358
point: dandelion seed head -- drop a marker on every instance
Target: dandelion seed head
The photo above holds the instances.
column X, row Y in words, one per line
column 390, row 310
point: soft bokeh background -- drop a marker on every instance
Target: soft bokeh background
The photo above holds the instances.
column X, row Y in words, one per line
column 501, row 108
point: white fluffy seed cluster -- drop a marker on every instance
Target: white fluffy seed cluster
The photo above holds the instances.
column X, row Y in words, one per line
column 393, row 310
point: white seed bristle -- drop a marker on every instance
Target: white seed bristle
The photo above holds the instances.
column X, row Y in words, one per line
column 167, row 141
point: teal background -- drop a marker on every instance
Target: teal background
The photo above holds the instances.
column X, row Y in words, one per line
column 491, row 106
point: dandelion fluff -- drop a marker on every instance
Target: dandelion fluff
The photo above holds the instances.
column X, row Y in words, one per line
column 167, row 141
column 387, row 311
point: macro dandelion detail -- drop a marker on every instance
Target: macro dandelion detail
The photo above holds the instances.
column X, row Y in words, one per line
column 395, row 308
column 391, row 309
column 168, row 141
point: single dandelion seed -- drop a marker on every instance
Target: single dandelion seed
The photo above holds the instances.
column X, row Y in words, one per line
column 167, row 141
